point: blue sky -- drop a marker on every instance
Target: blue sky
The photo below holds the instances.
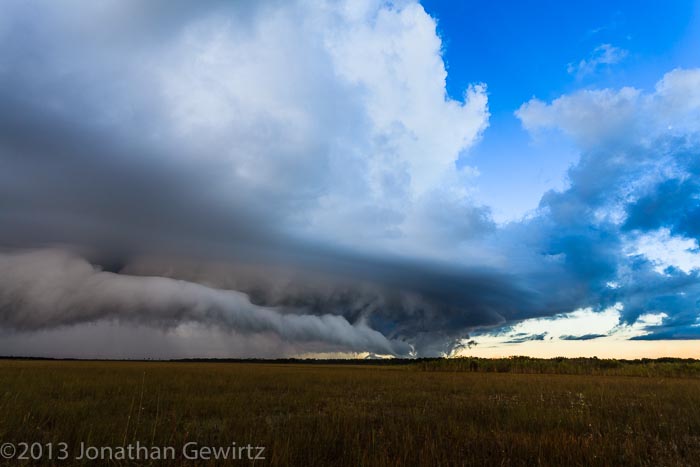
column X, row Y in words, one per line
column 523, row 49
column 292, row 178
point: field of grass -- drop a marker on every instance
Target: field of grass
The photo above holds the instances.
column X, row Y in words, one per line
column 351, row 415
column 660, row 367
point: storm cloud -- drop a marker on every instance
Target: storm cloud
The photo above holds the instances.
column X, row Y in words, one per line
column 50, row 289
column 624, row 229
column 289, row 170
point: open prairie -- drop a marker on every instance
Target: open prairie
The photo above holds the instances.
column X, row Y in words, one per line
column 311, row 414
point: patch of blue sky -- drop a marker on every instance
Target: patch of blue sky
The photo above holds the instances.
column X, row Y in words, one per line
column 522, row 50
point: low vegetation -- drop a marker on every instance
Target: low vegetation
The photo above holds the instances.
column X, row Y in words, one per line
column 432, row 412
column 661, row 367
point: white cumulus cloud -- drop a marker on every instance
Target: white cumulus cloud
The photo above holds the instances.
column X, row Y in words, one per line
column 339, row 113
column 623, row 116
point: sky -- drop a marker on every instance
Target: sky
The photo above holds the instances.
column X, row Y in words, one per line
column 349, row 178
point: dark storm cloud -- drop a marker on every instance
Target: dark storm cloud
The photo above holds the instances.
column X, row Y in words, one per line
column 673, row 203
column 164, row 205
column 594, row 253
column 93, row 162
column 64, row 183
column 519, row 338
column 411, row 300
column 114, row 199
column 49, row 289
column 585, row 337
column 671, row 332
column 621, row 192
column 676, row 294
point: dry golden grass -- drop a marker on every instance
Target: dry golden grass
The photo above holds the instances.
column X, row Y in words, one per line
column 354, row 415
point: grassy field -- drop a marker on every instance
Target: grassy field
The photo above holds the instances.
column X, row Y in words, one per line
column 350, row 415
column 660, row 367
